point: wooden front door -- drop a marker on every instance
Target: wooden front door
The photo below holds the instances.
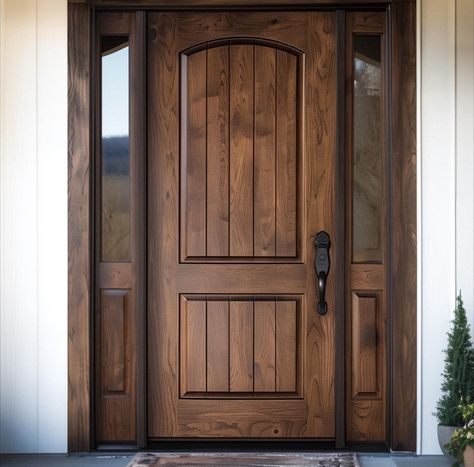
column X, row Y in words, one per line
column 214, row 147
column 241, row 177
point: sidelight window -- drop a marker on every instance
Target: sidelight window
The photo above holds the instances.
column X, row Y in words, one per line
column 115, row 150
column 367, row 150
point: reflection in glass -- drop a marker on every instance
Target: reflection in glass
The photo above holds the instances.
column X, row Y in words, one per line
column 367, row 150
column 115, row 162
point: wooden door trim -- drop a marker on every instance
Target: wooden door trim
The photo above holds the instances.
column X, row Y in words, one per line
column 402, row 267
column 219, row 4
column 402, row 365
column 79, row 228
column 339, row 231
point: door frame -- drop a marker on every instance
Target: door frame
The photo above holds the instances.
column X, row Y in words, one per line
column 402, row 287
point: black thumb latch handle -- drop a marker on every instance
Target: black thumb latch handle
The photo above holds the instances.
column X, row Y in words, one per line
column 322, row 262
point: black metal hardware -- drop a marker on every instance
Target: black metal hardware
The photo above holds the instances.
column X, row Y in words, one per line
column 322, row 262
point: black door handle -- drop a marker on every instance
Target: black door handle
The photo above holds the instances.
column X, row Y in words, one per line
column 322, row 262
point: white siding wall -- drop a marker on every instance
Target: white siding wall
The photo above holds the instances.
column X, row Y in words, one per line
column 33, row 210
column 446, row 217
column 33, row 219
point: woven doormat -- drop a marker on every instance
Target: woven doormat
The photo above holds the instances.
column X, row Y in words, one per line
column 322, row 459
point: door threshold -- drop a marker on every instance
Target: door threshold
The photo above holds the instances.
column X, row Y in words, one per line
column 253, row 445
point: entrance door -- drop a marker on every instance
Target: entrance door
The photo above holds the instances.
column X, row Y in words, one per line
column 224, row 143
column 241, row 178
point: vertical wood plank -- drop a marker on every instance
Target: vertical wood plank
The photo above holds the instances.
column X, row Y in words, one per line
column 264, row 151
column 218, row 346
column 195, row 338
column 241, row 150
column 286, row 153
column 218, row 151
column 79, row 408
column 241, row 346
column 264, row 345
column 403, row 267
column 286, row 344
column 195, row 153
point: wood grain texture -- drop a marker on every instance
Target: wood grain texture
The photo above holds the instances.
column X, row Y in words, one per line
column 204, row 4
column 286, row 338
column 241, row 150
column 247, row 278
column 218, row 93
column 231, row 342
column 305, row 407
column 264, row 346
column 163, row 170
column 367, row 22
column 241, row 330
column 264, row 151
column 165, row 40
column 365, row 416
column 116, row 410
column 112, row 340
column 320, row 101
column 286, row 153
column 282, row 27
column 403, row 267
column 365, row 331
column 339, row 239
column 260, row 419
column 195, row 151
column 240, row 183
column 193, row 336
column 217, row 346
column 79, row 222
column 115, row 417
column 366, row 286
column 138, row 136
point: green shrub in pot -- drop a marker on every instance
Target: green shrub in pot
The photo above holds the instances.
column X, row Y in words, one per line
column 458, row 377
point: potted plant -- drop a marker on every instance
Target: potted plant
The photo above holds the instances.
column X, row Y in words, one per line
column 458, row 377
column 461, row 444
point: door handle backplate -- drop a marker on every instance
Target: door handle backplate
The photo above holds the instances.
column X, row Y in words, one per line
column 322, row 242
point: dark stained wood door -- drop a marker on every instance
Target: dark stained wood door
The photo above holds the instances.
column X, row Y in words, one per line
column 246, row 153
column 241, row 176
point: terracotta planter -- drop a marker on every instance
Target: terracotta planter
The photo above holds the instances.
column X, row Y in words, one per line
column 468, row 457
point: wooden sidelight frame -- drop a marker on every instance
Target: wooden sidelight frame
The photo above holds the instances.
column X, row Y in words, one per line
column 401, row 30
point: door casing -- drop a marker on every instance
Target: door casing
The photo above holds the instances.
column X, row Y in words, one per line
column 402, row 209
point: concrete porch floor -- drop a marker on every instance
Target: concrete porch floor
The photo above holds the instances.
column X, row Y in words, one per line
column 121, row 460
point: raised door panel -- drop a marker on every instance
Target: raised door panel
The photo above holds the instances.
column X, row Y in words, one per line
column 365, row 344
column 113, row 338
column 240, row 145
column 247, row 346
column 115, row 376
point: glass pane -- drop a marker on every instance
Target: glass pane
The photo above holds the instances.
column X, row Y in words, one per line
column 115, row 163
column 367, row 150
